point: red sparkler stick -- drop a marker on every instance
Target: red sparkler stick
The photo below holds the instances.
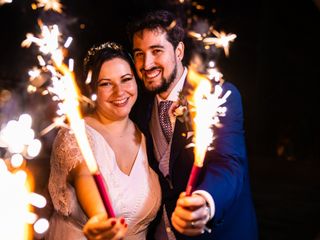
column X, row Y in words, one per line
column 104, row 194
column 193, row 178
column 78, row 127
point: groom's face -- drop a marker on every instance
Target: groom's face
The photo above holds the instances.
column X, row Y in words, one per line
column 155, row 59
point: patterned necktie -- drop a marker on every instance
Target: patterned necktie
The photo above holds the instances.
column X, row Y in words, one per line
column 164, row 119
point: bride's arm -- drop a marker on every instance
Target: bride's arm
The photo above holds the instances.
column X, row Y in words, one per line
column 68, row 167
column 86, row 190
column 99, row 226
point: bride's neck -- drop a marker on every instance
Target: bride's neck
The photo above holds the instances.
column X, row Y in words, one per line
column 112, row 127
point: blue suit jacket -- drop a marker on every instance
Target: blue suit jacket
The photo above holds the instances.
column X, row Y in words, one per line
column 224, row 174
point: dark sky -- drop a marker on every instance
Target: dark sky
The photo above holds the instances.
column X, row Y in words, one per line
column 274, row 60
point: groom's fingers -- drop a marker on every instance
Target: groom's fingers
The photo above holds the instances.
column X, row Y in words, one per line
column 187, row 214
column 189, row 228
column 194, row 201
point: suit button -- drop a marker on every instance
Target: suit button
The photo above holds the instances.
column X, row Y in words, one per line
column 168, row 229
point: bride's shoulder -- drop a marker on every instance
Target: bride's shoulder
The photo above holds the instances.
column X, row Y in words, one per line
column 65, row 143
column 64, row 136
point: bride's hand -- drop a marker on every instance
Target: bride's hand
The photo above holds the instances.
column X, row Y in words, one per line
column 103, row 228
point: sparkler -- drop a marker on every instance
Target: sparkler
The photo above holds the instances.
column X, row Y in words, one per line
column 24, row 146
column 16, row 205
column 206, row 34
column 71, row 105
column 221, row 40
column 47, row 5
column 17, row 201
column 5, row 1
column 15, row 188
column 201, row 100
column 205, row 96
column 64, row 89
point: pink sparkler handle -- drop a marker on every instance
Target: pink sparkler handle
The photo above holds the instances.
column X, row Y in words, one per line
column 193, row 178
column 103, row 193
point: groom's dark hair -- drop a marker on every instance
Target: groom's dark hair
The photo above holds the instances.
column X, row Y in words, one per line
column 158, row 20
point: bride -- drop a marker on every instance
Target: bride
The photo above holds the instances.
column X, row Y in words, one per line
column 120, row 150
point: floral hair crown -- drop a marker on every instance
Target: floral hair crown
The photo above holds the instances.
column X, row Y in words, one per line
column 94, row 50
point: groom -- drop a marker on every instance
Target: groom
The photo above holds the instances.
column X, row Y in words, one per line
column 222, row 200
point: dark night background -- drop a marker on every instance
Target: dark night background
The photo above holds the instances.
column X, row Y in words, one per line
column 274, row 61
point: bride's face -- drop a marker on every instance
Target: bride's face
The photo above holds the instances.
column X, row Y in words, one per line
column 116, row 89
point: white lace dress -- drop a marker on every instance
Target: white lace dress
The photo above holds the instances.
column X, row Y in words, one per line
column 136, row 197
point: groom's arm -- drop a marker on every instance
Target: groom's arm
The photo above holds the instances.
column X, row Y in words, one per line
column 226, row 165
column 224, row 168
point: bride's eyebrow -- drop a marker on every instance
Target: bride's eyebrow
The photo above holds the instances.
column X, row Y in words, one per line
column 126, row 75
column 103, row 79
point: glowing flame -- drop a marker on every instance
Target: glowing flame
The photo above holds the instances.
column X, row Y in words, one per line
column 221, row 40
column 63, row 86
column 63, row 89
column 14, row 204
column 71, row 106
column 205, row 112
column 48, row 41
column 5, row 1
column 25, row 144
column 47, row 5
column 16, row 199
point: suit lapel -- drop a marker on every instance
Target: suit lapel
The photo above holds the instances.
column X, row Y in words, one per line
column 179, row 142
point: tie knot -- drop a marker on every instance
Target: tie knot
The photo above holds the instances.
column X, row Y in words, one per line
column 165, row 105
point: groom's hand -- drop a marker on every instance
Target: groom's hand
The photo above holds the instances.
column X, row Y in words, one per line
column 190, row 215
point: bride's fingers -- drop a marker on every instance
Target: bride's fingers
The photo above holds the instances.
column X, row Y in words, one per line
column 101, row 227
column 118, row 231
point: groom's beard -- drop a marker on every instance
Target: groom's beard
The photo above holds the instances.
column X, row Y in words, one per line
column 165, row 82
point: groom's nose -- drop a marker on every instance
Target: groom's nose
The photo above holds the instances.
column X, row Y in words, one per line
column 148, row 61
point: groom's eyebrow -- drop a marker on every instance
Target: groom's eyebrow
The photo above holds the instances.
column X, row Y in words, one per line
column 151, row 47
column 156, row 46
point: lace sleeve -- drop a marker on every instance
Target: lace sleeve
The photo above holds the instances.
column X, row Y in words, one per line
column 65, row 156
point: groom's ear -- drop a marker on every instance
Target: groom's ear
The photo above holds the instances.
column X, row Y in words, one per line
column 180, row 51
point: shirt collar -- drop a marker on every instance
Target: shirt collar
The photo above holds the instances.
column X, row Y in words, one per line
column 174, row 94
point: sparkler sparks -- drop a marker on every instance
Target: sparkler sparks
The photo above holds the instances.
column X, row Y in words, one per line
column 50, row 44
column 64, row 89
column 16, row 200
column 25, row 144
column 16, row 203
column 63, row 86
column 13, row 210
column 202, row 99
column 48, row 41
column 47, row 5
column 5, row 1
column 221, row 40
